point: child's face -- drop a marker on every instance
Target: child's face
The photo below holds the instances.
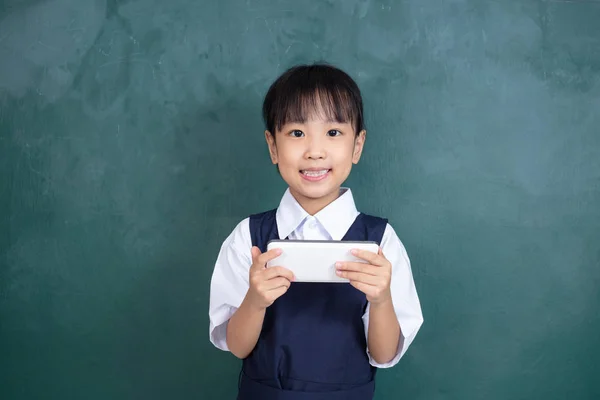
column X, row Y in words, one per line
column 315, row 158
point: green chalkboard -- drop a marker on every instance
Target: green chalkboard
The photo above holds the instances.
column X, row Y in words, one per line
column 131, row 143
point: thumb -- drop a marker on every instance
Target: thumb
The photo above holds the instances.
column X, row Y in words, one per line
column 255, row 253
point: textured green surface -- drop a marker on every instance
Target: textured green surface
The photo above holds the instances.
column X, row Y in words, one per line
column 131, row 144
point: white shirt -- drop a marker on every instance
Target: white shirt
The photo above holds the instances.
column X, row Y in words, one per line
column 230, row 280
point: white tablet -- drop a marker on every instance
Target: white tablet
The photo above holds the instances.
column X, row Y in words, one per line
column 314, row 260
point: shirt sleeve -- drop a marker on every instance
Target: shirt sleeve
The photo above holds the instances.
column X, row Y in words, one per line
column 404, row 296
column 229, row 282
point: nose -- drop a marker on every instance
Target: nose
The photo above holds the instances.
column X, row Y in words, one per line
column 315, row 148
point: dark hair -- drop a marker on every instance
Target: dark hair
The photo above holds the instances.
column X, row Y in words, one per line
column 304, row 88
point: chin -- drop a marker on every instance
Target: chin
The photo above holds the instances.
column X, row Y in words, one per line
column 315, row 193
column 312, row 190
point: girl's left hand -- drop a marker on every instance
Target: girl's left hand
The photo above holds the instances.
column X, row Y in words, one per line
column 372, row 278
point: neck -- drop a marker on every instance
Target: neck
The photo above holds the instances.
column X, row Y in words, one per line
column 313, row 206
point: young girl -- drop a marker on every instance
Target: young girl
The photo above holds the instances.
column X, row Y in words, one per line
column 313, row 341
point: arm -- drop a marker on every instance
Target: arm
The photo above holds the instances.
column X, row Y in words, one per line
column 266, row 285
column 244, row 328
column 384, row 334
column 236, row 308
column 405, row 305
column 374, row 279
column 393, row 316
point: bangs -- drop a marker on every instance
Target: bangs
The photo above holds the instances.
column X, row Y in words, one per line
column 307, row 92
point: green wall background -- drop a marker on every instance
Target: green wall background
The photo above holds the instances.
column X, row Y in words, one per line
column 131, row 144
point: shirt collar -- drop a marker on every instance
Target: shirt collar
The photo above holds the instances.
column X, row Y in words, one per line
column 336, row 218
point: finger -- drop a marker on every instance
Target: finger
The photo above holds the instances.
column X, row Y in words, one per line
column 267, row 256
column 358, row 266
column 261, row 259
column 273, row 272
column 372, row 258
column 277, row 293
column 360, row 277
column 255, row 251
column 369, row 290
column 276, row 283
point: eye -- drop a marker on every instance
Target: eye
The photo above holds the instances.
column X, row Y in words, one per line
column 334, row 132
column 296, row 133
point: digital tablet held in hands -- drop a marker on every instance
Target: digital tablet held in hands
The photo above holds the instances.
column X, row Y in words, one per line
column 314, row 260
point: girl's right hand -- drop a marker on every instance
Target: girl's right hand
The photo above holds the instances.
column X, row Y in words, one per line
column 267, row 284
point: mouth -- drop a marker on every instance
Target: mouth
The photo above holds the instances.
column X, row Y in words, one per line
column 314, row 175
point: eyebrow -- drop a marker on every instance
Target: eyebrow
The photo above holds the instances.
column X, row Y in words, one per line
column 328, row 121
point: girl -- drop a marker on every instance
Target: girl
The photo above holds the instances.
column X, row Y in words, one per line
column 313, row 341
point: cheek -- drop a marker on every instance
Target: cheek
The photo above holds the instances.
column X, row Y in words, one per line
column 288, row 156
column 346, row 153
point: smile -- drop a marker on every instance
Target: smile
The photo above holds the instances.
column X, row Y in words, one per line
column 315, row 175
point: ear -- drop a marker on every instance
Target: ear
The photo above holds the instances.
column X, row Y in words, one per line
column 272, row 146
column 359, row 143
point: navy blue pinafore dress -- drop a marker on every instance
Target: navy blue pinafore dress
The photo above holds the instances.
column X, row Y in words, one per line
column 312, row 345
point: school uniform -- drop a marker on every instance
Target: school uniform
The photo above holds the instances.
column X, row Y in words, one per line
column 313, row 343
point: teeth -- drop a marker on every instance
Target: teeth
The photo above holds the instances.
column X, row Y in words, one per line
column 315, row 173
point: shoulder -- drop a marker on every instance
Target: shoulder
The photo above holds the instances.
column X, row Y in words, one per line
column 241, row 235
column 263, row 215
column 261, row 224
column 390, row 235
column 373, row 219
column 392, row 245
column 373, row 227
column 390, row 239
column 383, row 223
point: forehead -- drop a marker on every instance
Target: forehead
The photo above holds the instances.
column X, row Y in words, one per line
column 317, row 106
